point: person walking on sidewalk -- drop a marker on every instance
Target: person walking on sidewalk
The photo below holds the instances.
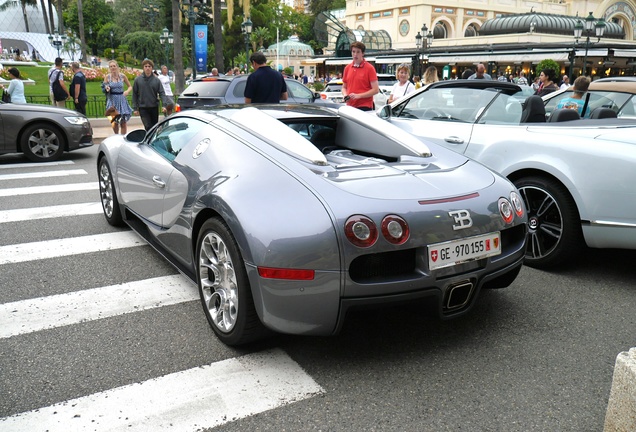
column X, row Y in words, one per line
column 168, row 102
column 113, row 86
column 146, row 90
column 78, row 88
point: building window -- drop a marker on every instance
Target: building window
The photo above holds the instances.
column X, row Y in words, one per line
column 359, row 17
column 405, row 11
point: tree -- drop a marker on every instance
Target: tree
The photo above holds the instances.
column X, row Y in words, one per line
column 218, row 36
column 179, row 79
column 548, row 64
column 144, row 44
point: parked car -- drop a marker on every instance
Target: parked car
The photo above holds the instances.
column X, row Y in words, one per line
column 576, row 177
column 42, row 132
column 210, row 91
column 287, row 216
column 617, row 94
column 333, row 93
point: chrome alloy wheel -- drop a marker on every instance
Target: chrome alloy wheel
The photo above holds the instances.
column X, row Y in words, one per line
column 545, row 221
column 106, row 189
column 43, row 143
column 218, row 282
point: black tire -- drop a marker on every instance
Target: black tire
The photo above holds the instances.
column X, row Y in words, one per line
column 42, row 142
column 108, row 194
column 224, row 287
column 555, row 237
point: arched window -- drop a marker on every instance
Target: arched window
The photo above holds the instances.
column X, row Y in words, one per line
column 440, row 31
column 471, row 31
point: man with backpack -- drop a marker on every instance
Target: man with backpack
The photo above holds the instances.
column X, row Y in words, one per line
column 59, row 92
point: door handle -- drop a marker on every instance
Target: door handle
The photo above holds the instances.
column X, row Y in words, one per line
column 158, row 182
column 454, row 140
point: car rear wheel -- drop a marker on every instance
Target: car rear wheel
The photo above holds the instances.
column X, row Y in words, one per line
column 554, row 226
column 108, row 194
column 224, row 287
column 42, row 142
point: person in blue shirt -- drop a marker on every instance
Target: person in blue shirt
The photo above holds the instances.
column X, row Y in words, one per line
column 581, row 84
column 264, row 85
column 16, row 87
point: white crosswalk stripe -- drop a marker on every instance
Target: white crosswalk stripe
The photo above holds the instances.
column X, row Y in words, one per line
column 238, row 387
column 27, row 316
column 50, row 212
column 201, row 397
column 42, row 174
column 48, row 189
column 16, row 253
column 36, row 164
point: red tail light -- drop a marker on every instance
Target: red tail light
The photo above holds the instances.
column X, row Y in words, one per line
column 395, row 229
column 177, row 108
column 517, row 204
column 505, row 209
column 361, row 231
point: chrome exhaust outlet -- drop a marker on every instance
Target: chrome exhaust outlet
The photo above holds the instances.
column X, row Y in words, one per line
column 458, row 295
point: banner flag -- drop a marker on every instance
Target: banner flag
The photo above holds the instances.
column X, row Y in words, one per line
column 201, row 47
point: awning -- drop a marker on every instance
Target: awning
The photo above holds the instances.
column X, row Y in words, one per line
column 338, row 61
column 592, row 53
column 624, row 53
column 393, row 60
column 317, row 60
column 523, row 57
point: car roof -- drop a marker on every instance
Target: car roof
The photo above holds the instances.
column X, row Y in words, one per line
column 621, row 86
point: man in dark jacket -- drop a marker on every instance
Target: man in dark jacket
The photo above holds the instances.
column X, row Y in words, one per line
column 264, row 85
column 146, row 91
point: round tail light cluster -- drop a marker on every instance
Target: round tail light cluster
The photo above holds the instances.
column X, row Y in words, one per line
column 509, row 208
column 362, row 231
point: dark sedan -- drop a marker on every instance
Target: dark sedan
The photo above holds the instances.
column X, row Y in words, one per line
column 210, row 91
column 42, row 132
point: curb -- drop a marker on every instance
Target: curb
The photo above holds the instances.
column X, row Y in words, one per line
column 621, row 408
column 102, row 129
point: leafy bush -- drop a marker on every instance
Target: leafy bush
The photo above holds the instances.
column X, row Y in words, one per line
column 548, row 64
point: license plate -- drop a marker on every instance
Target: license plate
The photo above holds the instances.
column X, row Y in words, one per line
column 454, row 252
column 337, row 100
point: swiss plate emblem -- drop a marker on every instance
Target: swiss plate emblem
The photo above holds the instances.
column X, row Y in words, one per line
column 434, row 255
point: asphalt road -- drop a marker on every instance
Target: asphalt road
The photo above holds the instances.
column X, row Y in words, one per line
column 537, row 356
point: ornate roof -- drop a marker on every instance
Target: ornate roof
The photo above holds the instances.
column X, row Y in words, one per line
column 291, row 47
column 542, row 23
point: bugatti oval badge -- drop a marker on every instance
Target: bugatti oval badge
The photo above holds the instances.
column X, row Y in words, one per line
column 201, row 147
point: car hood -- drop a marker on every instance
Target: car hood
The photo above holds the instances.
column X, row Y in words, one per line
column 43, row 109
column 407, row 179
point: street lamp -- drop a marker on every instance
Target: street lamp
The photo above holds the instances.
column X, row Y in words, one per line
column 152, row 10
column 591, row 25
column 419, row 38
column 187, row 8
column 246, row 28
column 57, row 41
column 112, row 48
column 166, row 39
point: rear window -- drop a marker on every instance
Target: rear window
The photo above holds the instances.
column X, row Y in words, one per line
column 207, row 89
column 333, row 87
column 386, row 80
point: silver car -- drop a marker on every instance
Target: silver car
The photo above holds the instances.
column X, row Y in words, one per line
column 42, row 132
column 288, row 216
column 576, row 177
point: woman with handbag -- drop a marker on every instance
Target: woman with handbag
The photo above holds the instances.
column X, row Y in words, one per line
column 16, row 87
column 113, row 86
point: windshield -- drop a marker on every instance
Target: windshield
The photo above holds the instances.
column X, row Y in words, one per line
column 207, row 89
column 484, row 106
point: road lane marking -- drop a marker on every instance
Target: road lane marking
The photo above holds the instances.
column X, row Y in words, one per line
column 42, row 174
column 28, row 316
column 36, row 164
column 34, row 251
column 48, row 212
column 201, row 397
column 32, row 190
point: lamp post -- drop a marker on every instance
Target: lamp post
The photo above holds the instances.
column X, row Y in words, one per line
column 591, row 25
column 418, row 44
column 152, row 10
column 112, row 48
column 166, row 39
column 57, row 41
column 246, row 28
column 422, row 45
column 187, row 8
column 429, row 41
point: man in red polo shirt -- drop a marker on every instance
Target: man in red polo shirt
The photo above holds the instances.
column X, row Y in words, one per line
column 359, row 82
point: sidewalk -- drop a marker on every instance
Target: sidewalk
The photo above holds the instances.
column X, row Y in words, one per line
column 102, row 130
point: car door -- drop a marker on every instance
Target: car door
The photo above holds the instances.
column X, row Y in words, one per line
column 146, row 174
column 441, row 115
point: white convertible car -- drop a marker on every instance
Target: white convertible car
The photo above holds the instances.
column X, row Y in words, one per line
column 577, row 177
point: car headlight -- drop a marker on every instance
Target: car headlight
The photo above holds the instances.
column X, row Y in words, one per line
column 76, row 120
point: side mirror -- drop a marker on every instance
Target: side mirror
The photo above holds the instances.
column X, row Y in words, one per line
column 136, row 136
column 385, row 112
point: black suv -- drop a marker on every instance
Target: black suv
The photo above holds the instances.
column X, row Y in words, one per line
column 210, row 91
